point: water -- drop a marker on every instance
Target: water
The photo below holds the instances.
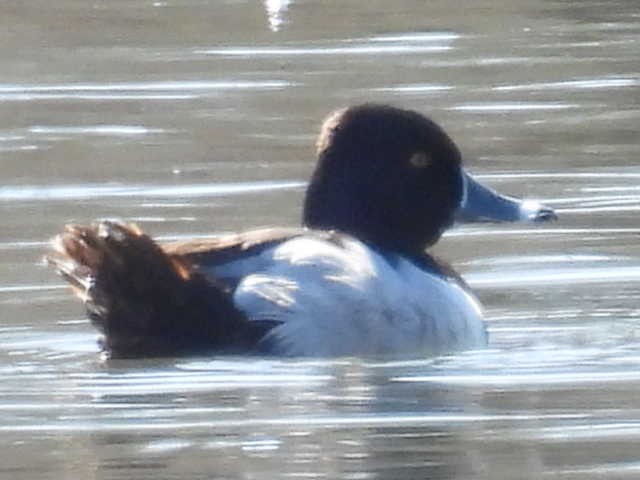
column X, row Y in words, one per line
column 196, row 118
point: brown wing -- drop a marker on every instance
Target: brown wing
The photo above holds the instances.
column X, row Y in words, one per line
column 227, row 248
column 230, row 247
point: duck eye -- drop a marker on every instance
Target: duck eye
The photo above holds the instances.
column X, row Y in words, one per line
column 420, row 160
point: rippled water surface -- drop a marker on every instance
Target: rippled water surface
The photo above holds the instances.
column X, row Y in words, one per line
column 197, row 118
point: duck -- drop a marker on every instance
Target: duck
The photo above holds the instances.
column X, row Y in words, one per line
column 354, row 279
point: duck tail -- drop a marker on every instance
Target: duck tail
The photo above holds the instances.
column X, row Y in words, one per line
column 144, row 301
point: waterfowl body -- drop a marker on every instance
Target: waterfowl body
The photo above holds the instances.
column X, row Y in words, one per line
column 355, row 279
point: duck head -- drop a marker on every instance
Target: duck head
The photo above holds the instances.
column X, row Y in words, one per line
column 388, row 176
column 394, row 178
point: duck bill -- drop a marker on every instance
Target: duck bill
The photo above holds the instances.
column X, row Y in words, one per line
column 482, row 204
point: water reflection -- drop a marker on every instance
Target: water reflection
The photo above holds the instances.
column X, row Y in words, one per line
column 74, row 192
column 585, row 84
column 276, row 12
column 130, row 91
column 325, row 50
column 501, row 107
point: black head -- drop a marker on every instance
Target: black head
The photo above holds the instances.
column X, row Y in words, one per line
column 388, row 176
